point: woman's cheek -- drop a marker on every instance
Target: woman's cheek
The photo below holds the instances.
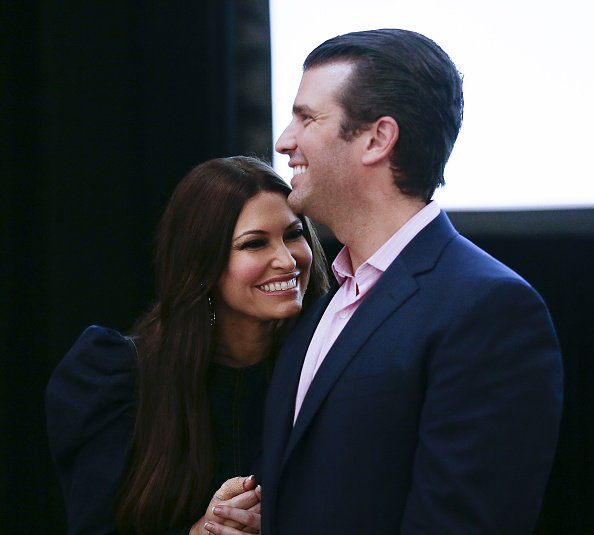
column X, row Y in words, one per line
column 304, row 258
column 250, row 270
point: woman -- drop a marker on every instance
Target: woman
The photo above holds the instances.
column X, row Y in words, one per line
column 150, row 425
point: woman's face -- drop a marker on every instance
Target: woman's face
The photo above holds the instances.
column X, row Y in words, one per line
column 269, row 263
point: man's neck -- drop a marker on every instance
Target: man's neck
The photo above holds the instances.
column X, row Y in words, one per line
column 367, row 230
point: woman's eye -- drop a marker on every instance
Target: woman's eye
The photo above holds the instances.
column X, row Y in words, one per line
column 252, row 244
column 294, row 234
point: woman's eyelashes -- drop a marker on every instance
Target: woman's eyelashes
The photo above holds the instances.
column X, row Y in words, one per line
column 260, row 243
column 294, row 234
column 252, row 244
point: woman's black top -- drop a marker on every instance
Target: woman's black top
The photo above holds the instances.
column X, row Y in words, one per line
column 90, row 409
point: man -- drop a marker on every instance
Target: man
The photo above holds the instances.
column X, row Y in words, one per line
column 423, row 394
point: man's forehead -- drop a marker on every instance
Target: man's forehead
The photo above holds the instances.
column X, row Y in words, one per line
column 320, row 86
column 335, row 66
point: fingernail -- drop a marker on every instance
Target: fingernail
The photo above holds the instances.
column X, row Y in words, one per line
column 251, row 478
column 208, row 526
column 216, row 510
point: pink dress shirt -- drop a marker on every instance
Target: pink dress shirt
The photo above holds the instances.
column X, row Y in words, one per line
column 352, row 291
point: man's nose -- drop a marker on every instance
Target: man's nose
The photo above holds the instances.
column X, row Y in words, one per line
column 286, row 141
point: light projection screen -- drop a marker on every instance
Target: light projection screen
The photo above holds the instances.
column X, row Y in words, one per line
column 528, row 133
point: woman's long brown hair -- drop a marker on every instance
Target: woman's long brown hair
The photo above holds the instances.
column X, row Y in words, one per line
column 170, row 467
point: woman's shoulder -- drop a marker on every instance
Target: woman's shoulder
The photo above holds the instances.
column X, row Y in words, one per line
column 102, row 341
column 91, row 388
column 100, row 356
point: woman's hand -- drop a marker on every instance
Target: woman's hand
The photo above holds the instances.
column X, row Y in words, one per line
column 233, row 510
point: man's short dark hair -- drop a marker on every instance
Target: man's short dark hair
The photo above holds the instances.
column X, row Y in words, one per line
column 404, row 75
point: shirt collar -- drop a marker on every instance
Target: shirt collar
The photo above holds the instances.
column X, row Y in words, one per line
column 387, row 253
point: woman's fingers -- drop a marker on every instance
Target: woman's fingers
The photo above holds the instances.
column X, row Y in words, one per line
column 243, row 501
column 256, row 508
column 249, row 483
column 218, row 529
column 234, row 486
column 234, row 509
column 241, row 516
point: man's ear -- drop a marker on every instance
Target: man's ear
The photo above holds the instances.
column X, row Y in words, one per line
column 381, row 138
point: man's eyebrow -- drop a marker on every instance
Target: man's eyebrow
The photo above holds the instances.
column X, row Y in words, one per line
column 302, row 109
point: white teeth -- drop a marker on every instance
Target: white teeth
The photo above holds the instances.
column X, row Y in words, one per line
column 298, row 169
column 278, row 286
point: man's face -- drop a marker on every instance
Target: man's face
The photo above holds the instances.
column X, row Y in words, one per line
column 322, row 162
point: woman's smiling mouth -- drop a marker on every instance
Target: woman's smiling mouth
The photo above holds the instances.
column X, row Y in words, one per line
column 279, row 286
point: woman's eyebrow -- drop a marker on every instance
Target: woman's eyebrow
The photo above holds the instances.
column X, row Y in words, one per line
column 295, row 223
column 256, row 232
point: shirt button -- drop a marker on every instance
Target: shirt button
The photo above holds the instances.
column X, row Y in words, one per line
column 344, row 315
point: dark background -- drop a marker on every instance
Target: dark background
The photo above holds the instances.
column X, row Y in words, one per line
column 104, row 107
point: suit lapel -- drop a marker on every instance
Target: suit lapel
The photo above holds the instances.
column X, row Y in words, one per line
column 289, row 361
column 394, row 288
column 369, row 316
column 280, row 401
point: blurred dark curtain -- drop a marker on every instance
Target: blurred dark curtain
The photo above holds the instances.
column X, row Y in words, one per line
column 561, row 268
column 105, row 106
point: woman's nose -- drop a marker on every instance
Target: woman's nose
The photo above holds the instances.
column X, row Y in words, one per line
column 283, row 259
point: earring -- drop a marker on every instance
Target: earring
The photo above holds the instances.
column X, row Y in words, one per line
column 213, row 316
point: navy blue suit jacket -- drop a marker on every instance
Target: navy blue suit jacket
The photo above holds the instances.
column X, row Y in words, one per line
column 435, row 411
